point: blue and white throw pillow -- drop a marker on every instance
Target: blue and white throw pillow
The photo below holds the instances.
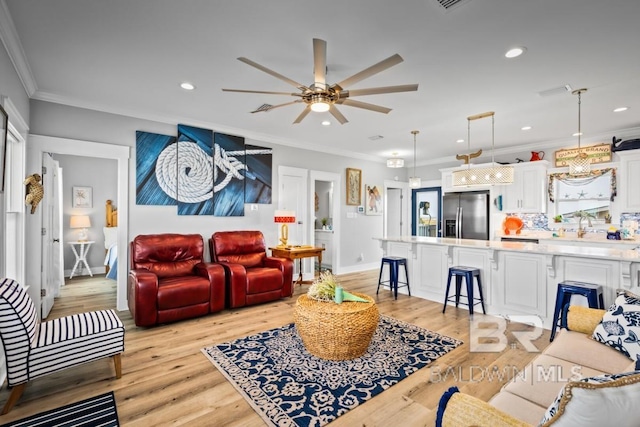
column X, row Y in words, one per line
column 620, row 326
column 609, row 399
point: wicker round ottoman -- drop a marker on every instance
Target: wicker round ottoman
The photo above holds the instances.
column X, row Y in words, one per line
column 336, row 331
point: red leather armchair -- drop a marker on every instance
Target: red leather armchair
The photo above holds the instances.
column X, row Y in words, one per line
column 169, row 281
column 251, row 276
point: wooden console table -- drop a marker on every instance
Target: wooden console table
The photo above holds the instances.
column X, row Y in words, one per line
column 299, row 252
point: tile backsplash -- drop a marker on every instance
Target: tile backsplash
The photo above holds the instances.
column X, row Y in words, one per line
column 540, row 222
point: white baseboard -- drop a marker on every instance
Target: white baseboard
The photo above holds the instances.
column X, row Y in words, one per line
column 356, row 268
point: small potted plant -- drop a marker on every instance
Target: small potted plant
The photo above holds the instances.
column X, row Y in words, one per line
column 557, row 218
column 324, row 221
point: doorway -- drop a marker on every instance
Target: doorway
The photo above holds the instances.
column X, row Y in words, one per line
column 396, row 208
column 426, row 212
column 38, row 145
column 327, row 186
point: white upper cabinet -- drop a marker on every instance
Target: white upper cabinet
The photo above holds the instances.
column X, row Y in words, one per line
column 629, row 181
column 528, row 193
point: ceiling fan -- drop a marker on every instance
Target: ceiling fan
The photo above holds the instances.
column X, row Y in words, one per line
column 321, row 97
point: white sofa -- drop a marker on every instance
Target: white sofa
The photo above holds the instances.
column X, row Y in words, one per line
column 523, row 401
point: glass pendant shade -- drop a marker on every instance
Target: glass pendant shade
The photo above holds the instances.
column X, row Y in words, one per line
column 395, row 162
column 415, row 182
column 580, row 165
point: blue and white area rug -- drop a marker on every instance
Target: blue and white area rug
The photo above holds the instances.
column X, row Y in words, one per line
column 287, row 386
column 95, row 411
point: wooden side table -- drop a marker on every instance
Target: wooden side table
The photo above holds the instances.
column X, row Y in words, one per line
column 298, row 252
column 81, row 256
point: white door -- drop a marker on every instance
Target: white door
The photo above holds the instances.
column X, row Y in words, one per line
column 293, row 195
column 51, row 266
column 395, row 227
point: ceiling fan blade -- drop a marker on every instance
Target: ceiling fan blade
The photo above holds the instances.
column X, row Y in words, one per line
column 378, row 90
column 302, row 115
column 260, row 110
column 261, row 91
column 273, row 73
column 365, row 105
column 320, row 62
column 338, row 115
column 374, row 69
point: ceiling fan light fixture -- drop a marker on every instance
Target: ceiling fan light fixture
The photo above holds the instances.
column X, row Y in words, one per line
column 320, row 106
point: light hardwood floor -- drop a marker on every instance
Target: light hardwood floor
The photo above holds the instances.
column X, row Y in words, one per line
column 166, row 380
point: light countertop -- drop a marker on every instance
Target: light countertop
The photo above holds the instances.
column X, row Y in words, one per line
column 620, row 254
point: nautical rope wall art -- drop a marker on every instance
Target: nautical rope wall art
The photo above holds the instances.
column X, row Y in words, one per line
column 204, row 173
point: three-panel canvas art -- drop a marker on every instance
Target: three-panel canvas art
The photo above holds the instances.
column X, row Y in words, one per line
column 201, row 172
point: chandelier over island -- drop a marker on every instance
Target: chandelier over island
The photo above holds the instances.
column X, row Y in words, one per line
column 487, row 175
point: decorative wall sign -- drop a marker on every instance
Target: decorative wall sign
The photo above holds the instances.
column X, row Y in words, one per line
column 354, row 186
column 600, row 153
column 373, row 196
column 155, row 179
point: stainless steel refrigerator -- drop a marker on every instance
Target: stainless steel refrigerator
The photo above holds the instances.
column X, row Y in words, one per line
column 466, row 215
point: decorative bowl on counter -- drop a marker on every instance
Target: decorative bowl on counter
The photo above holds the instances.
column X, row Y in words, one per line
column 512, row 225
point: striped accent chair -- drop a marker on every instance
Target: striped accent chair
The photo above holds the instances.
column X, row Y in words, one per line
column 33, row 349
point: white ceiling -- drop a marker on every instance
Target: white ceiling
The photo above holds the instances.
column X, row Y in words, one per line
column 129, row 57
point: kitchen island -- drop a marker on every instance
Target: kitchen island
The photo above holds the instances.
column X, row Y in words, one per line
column 518, row 278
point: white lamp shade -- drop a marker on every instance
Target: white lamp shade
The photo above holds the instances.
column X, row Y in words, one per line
column 80, row 221
column 320, row 107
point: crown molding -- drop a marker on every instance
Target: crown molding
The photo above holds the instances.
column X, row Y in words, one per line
column 217, row 127
column 12, row 44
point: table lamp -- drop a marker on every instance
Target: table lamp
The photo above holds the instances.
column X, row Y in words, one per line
column 82, row 222
column 284, row 218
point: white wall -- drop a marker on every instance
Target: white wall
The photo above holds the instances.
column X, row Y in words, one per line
column 356, row 235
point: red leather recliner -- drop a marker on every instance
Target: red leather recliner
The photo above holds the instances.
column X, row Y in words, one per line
column 251, row 276
column 169, row 281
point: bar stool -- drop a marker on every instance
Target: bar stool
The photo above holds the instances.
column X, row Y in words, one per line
column 394, row 263
column 568, row 288
column 468, row 273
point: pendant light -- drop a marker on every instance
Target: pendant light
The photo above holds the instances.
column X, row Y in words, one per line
column 395, row 162
column 488, row 175
column 414, row 181
column 580, row 164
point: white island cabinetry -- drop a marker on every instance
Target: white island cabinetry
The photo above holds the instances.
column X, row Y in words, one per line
column 518, row 278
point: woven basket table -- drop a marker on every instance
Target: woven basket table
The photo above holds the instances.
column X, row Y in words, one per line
column 336, row 331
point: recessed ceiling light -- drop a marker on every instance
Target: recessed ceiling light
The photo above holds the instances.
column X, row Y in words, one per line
column 187, row 86
column 526, row 127
column 460, row 140
column 620, row 109
column 515, row 52
column 326, row 123
column 577, row 134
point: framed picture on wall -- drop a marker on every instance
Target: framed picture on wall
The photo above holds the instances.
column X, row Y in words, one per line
column 354, row 186
column 4, row 130
column 82, row 197
column 373, row 196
